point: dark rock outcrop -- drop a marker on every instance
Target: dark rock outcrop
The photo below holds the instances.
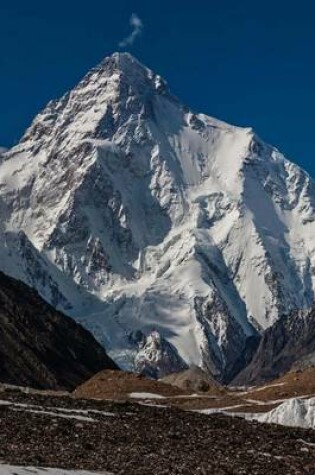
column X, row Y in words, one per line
column 41, row 347
column 289, row 343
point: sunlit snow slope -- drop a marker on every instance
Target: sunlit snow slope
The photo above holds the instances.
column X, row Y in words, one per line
column 139, row 217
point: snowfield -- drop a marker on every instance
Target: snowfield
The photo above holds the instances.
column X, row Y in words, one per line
column 174, row 237
column 295, row 412
column 145, row 396
column 20, row 470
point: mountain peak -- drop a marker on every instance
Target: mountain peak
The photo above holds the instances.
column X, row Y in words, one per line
column 122, row 61
column 128, row 70
column 164, row 218
column 124, row 57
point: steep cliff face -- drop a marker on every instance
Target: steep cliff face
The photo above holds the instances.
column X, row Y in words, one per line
column 39, row 346
column 288, row 344
column 142, row 215
column 156, row 356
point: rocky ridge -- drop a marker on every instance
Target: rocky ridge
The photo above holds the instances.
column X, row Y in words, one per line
column 288, row 344
column 41, row 347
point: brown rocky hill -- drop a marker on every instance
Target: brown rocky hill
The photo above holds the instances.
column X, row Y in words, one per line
column 120, row 385
column 193, row 390
column 41, row 347
column 296, row 383
column 194, row 379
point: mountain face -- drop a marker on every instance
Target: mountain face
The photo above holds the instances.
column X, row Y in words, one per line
column 289, row 343
column 156, row 357
column 40, row 347
column 132, row 213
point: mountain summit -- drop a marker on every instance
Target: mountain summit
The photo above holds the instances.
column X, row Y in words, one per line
column 140, row 217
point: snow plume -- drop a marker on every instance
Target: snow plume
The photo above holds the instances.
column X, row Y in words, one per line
column 137, row 27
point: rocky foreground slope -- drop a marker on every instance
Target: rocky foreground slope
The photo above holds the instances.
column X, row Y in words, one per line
column 132, row 439
column 41, row 347
column 150, row 223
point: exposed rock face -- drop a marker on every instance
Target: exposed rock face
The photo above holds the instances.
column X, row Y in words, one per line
column 290, row 342
column 39, row 346
column 134, row 213
column 307, row 361
column 157, row 357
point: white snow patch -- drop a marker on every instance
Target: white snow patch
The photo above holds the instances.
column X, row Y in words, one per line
column 83, row 411
column 145, row 396
column 66, row 413
column 215, row 410
column 265, row 387
column 63, row 416
column 21, row 470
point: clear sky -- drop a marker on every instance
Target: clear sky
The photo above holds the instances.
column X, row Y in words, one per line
column 249, row 63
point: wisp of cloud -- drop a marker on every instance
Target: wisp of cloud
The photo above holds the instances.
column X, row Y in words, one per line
column 137, row 27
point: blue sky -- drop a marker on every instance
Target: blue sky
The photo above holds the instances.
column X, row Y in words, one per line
column 248, row 63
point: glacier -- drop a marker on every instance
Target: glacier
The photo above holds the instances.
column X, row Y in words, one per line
column 295, row 412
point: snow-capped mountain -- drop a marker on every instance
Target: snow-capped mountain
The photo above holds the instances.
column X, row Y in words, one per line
column 141, row 215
